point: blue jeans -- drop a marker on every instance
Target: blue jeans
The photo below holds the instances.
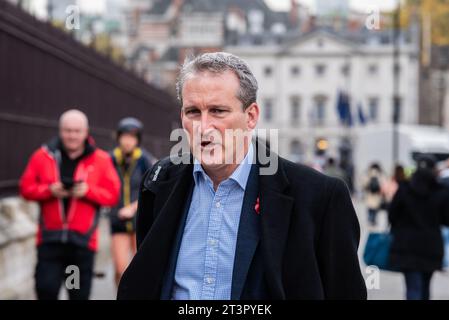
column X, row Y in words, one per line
column 418, row 285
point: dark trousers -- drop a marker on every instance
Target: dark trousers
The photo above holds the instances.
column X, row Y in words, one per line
column 372, row 213
column 57, row 264
column 418, row 285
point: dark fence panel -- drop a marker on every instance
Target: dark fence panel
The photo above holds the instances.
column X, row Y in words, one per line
column 43, row 72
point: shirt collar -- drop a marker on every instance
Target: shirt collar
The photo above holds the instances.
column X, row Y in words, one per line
column 240, row 174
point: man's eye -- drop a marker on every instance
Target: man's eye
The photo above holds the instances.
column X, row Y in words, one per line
column 217, row 111
column 192, row 111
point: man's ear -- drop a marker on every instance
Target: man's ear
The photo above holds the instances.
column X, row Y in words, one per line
column 253, row 112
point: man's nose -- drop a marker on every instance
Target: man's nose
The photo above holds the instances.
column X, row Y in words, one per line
column 206, row 122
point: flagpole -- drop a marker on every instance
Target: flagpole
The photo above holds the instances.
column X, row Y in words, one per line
column 396, row 96
column 346, row 142
column 348, row 139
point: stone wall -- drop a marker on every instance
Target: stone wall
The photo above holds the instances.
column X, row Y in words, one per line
column 18, row 226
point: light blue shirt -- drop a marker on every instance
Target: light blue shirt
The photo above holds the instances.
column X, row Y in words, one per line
column 206, row 256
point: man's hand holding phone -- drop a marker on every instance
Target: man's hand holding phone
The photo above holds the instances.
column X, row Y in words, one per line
column 69, row 188
column 59, row 191
column 79, row 189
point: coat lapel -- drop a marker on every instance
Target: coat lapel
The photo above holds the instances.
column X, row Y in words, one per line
column 275, row 212
column 169, row 277
column 248, row 235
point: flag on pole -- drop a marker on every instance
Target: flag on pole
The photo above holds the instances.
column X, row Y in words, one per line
column 344, row 109
column 362, row 118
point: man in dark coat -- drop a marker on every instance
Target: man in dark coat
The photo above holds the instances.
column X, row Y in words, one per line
column 212, row 229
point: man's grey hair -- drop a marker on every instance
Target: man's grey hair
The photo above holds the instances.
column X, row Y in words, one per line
column 220, row 62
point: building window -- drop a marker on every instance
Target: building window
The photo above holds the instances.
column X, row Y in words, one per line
column 295, row 107
column 320, row 70
column 373, row 69
column 319, row 112
column 295, row 71
column 268, row 110
column 345, row 70
column 268, row 71
column 296, row 152
column 396, row 68
column 373, row 109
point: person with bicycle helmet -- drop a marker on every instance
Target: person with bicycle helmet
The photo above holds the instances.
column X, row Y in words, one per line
column 131, row 162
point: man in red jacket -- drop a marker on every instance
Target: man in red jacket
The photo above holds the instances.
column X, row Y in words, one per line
column 71, row 179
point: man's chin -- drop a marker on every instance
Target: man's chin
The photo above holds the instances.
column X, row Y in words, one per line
column 208, row 156
column 211, row 161
column 72, row 148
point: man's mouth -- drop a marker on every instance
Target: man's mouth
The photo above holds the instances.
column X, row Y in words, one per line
column 205, row 143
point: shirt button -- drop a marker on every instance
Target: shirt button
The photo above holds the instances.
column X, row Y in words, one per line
column 210, row 280
column 212, row 242
column 218, row 204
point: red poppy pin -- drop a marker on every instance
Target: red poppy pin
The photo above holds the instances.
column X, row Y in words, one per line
column 257, row 206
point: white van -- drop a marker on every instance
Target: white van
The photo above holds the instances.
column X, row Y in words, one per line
column 373, row 143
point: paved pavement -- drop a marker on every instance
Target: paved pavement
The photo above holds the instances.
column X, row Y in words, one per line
column 103, row 288
column 391, row 284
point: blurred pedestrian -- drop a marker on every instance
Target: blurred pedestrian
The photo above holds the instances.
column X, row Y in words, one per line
column 71, row 179
column 417, row 211
column 443, row 178
column 444, row 174
column 391, row 185
column 373, row 196
column 333, row 170
column 131, row 163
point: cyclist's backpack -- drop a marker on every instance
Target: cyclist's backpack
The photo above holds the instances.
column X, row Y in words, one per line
column 374, row 185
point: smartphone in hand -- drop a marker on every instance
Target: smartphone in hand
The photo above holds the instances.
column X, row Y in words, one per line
column 69, row 183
